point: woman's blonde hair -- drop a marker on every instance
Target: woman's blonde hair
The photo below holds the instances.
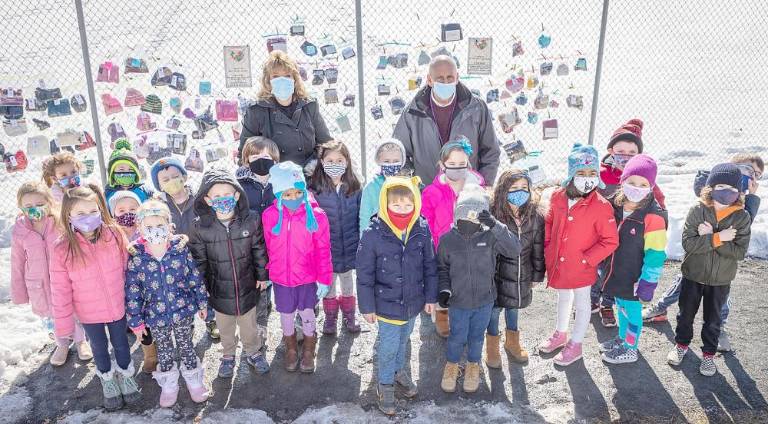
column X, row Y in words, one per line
column 52, row 162
column 37, row 187
column 280, row 60
column 87, row 193
column 257, row 144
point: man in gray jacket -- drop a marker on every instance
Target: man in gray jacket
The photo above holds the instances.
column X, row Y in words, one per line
column 442, row 111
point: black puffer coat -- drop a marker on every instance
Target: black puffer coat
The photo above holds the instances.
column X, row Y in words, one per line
column 231, row 259
column 515, row 275
column 343, row 212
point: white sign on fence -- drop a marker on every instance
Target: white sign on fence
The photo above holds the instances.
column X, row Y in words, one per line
column 237, row 66
column 479, row 56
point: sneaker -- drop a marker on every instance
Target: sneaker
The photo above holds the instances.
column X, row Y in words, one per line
column 610, row 345
column 595, row 307
column 258, row 362
column 724, row 342
column 554, row 342
column 676, row 355
column 404, row 381
column 620, row 355
column 570, row 354
column 386, row 394
column 472, row 377
column 213, row 330
column 450, row 375
column 607, row 316
column 654, row 314
column 708, row 367
column 227, row 367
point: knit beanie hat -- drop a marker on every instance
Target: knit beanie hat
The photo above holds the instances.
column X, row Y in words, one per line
column 133, row 97
column 152, row 104
column 642, row 165
column 284, row 176
column 471, row 201
column 725, row 173
column 582, row 157
column 163, row 164
column 120, row 195
column 122, row 155
column 632, row 131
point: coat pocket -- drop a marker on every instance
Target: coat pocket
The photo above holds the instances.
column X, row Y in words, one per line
column 38, row 297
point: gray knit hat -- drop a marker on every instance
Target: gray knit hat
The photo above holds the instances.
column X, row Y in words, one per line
column 471, row 201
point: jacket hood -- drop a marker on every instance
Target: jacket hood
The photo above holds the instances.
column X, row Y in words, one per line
column 411, row 184
column 217, row 176
column 386, row 141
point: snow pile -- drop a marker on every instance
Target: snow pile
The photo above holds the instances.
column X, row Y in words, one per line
column 15, row 406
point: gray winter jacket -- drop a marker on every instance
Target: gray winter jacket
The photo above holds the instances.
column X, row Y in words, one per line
column 182, row 218
column 417, row 129
column 466, row 267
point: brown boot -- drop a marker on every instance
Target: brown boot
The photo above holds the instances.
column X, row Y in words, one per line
column 512, row 345
column 450, row 375
column 150, row 358
column 441, row 323
column 308, row 354
column 492, row 356
column 291, row 359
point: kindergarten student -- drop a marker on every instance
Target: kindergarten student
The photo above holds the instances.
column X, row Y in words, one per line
column 390, row 158
column 88, row 282
column 258, row 156
column 61, row 172
column 32, row 243
column 580, row 232
column 296, row 231
column 466, row 264
column 337, row 191
column 123, row 206
column 440, row 199
column 396, row 297
column 123, row 172
column 227, row 242
column 626, row 142
column 164, row 291
column 715, row 238
column 632, row 272
column 516, row 206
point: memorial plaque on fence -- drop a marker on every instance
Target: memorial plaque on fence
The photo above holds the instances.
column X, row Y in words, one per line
column 479, row 56
column 237, row 66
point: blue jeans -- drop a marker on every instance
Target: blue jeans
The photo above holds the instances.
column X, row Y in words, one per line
column 607, row 300
column 510, row 316
column 393, row 341
column 97, row 337
column 672, row 295
column 467, row 328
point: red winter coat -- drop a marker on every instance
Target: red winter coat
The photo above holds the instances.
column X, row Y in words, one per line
column 576, row 240
column 612, row 178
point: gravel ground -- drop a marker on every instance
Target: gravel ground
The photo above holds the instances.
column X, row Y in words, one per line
column 647, row 391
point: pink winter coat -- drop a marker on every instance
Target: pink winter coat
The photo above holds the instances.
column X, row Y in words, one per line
column 91, row 288
column 296, row 256
column 438, row 202
column 30, row 280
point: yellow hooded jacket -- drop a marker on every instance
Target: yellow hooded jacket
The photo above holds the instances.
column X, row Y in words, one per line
column 411, row 184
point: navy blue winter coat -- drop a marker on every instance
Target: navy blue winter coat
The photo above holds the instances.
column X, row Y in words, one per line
column 259, row 197
column 395, row 280
column 343, row 216
column 159, row 293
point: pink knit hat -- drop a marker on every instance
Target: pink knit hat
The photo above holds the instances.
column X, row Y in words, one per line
column 642, row 165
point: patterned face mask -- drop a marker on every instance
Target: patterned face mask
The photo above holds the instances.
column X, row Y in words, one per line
column 127, row 219
column 35, row 213
column 125, row 178
column 156, row 235
column 224, row 205
column 390, row 170
column 585, row 184
column 334, row 170
column 620, row 160
column 518, row 197
column 70, row 182
column 172, row 186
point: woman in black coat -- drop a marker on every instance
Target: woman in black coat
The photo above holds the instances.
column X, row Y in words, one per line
column 515, row 205
column 285, row 113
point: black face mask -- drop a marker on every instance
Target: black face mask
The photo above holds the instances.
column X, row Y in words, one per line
column 467, row 228
column 261, row 166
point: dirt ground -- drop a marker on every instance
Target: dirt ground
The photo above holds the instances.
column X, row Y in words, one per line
column 646, row 391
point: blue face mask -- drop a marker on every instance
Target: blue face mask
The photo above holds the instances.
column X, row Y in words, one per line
column 391, row 170
column 444, row 91
column 744, row 185
column 518, row 197
column 282, row 87
column 293, row 204
column 224, row 205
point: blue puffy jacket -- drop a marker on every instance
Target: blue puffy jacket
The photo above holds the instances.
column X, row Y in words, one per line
column 343, row 212
column 260, row 197
column 395, row 280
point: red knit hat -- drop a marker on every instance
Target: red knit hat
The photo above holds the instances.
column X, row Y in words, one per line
column 632, row 132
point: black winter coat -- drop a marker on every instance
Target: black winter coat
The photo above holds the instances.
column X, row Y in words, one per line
column 259, row 196
column 515, row 275
column 231, row 259
column 343, row 217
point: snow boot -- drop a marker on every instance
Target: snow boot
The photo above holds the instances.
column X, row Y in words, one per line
column 308, row 354
column 195, row 379
column 60, row 354
column 513, row 347
column 386, row 394
column 331, row 310
column 113, row 400
column 127, row 383
column 492, row 356
column 441, row 323
column 472, row 377
column 450, row 375
column 291, row 359
column 348, row 304
column 169, row 385
column 84, row 352
column 150, row 358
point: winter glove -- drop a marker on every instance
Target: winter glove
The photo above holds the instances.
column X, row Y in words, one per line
column 487, row 219
column 322, row 291
column 644, row 291
column 442, row 298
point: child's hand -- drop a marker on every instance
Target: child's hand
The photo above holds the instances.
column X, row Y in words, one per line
column 727, row 234
column 487, row 219
column 429, row 308
column 262, row 285
column 322, row 291
column 705, row 228
column 370, row 318
column 443, row 298
column 183, row 240
column 203, row 314
column 753, row 185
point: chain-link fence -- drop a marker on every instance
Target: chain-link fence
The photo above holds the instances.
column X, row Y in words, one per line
column 693, row 73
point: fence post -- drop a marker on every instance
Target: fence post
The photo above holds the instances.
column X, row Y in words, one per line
column 361, row 85
column 598, row 71
column 91, row 92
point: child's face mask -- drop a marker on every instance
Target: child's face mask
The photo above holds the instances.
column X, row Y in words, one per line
column 294, row 204
column 467, row 228
column 125, row 178
column 224, row 204
column 156, row 235
column 70, row 182
column 585, row 184
column 127, row 219
column 36, row 213
column 173, row 186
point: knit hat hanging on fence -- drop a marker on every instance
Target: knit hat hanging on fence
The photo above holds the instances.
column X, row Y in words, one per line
column 152, row 104
column 284, row 176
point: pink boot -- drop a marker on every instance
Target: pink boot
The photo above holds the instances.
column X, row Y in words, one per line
column 195, row 383
column 570, row 354
column 331, row 310
column 348, row 304
column 556, row 341
column 169, row 383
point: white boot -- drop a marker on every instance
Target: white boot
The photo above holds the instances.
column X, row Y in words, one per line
column 195, row 379
column 128, row 386
column 169, row 383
